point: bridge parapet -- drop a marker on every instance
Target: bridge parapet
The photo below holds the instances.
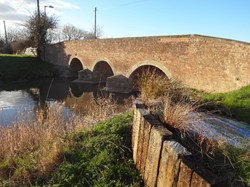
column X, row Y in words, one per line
column 204, row 63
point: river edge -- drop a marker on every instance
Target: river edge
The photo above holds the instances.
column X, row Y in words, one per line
column 27, row 67
column 101, row 155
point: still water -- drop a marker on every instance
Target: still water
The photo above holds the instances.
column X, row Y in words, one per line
column 20, row 100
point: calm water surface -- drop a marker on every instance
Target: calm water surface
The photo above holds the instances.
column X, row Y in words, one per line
column 20, row 100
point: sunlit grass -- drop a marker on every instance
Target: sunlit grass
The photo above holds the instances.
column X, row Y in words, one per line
column 174, row 106
column 237, row 102
column 170, row 96
column 32, row 148
column 100, row 157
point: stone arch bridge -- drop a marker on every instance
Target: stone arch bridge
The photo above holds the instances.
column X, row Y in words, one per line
column 200, row 62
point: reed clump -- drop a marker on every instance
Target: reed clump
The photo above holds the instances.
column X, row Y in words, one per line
column 31, row 148
column 167, row 98
column 96, row 109
column 180, row 114
column 33, row 145
column 178, row 108
column 154, row 86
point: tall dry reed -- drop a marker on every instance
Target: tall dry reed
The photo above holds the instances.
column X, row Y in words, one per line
column 42, row 137
column 154, row 86
column 172, row 103
column 180, row 114
column 166, row 97
column 96, row 109
column 32, row 147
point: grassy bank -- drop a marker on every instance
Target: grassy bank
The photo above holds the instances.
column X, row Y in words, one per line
column 175, row 105
column 53, row 152
column 24, row 67
column 236, row 104
column 100, row 157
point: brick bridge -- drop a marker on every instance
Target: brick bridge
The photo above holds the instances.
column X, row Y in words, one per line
column 201, row 62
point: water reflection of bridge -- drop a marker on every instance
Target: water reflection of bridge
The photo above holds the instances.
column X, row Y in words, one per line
column 60, row 89
column 28, row 97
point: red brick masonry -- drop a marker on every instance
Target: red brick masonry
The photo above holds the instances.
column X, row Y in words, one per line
column 201, row 62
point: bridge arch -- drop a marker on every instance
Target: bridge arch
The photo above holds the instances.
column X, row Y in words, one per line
column 75, row 64
column 76, row 90
column 102, row 69
column 146, row 64
column 141, row 67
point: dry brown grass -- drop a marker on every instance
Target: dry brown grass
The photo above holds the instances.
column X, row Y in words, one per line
column 96, row 109
column 25, row 135
column 153, row 86
column 180, row 114
column 167, row 97
column 173, row 105
column 33, row 147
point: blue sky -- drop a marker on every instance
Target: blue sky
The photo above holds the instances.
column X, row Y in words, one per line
column 129, row 18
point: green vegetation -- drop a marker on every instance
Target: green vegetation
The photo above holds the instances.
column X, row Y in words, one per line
column 234, row 104
column 30, row 148
column 24, row 67
column 240, row 162
column 154, row 86
column 174, row 106
column 166, row 98
column 237, row 102
column 53, row 152
column 100, row 157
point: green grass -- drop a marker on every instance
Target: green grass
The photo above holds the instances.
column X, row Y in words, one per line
column 240, row 160
column 101, row 157
column 23, row 66
column 237, row 102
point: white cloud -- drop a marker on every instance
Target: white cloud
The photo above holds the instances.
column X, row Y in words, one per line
column 18, row 10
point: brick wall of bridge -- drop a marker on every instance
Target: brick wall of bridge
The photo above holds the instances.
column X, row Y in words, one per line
column 205, row 63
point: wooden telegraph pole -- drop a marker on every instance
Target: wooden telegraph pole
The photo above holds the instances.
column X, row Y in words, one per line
column 5, row 32
column 38, row 31
column 95, row 24
column 38, row 10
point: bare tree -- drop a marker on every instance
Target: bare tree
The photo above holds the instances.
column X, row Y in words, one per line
column 70, row 32
column 37, row 29
column 16, row 34
column 1, row 41
column 91, row 34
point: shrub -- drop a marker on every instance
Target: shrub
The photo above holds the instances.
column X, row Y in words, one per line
column 153, row 86
column 180, row 114
column 167, row 97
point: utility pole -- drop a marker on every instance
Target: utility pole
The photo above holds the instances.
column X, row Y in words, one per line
column 95, row 24
column 6, row 38
column 38, row 10
column 39, row 32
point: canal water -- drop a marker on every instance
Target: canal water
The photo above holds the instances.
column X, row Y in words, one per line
column 19, row 100
column 223, row 129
